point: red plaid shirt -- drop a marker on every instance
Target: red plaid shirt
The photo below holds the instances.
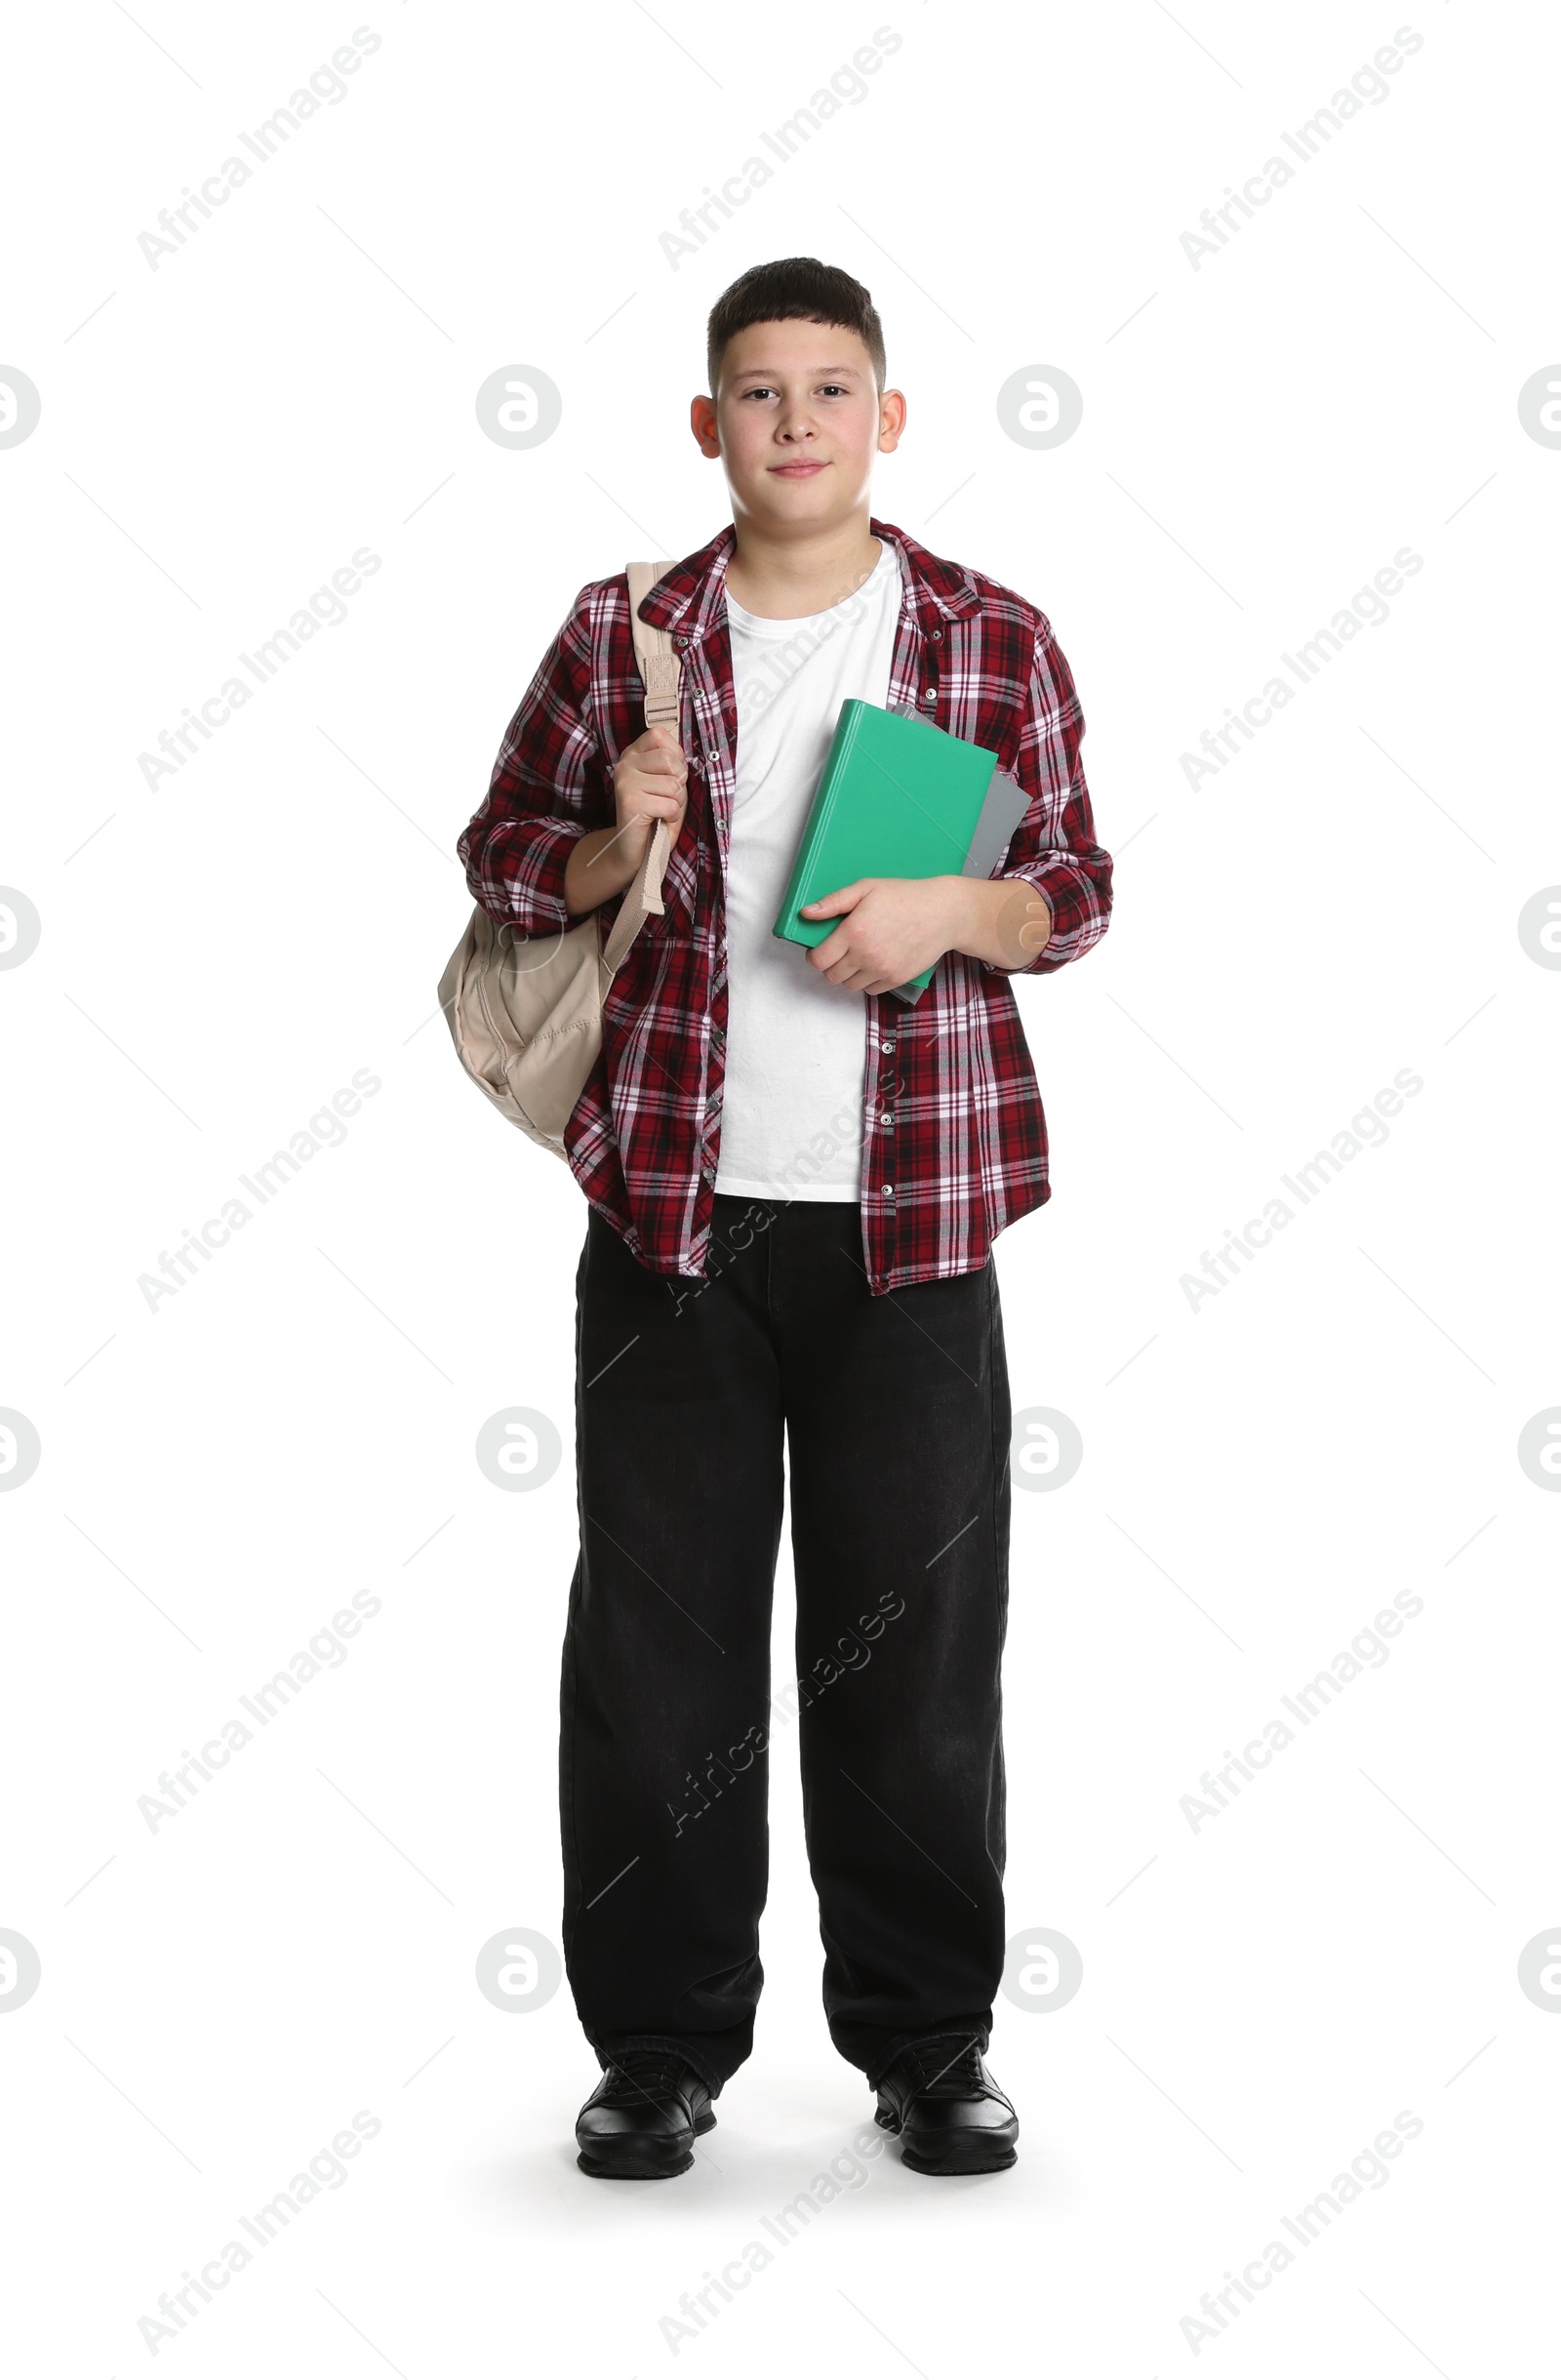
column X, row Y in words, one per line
column 954, row 1144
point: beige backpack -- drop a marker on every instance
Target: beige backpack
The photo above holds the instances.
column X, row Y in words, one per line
column 525, row 1013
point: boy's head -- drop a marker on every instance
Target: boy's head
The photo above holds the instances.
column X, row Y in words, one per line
column 797, row 289
column 797, row 407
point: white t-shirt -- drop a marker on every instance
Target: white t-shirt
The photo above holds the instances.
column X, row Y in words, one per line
column 791, row 1117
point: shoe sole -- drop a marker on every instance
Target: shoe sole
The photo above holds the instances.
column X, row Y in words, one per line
column 976, row 2155
column 958, row 2152
column 644, row 2160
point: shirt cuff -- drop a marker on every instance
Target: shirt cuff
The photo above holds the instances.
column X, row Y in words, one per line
column 521, row 879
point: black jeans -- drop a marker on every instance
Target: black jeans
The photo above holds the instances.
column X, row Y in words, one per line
column 896, row 1409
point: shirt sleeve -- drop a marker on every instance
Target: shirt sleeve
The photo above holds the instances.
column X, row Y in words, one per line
column 1054, row 846
column 549, row 788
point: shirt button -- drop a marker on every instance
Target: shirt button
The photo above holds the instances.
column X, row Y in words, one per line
column 936, row 636
column 886, row 1047
column 931, row 696
column 889, row 1190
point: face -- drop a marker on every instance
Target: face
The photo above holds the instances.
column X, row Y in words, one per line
column 796, row 422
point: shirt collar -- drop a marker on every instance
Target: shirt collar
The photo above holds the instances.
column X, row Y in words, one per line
column 689, row 599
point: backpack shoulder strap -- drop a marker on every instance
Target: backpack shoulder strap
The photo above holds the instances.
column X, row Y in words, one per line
column 654, row 649
column 660, row 673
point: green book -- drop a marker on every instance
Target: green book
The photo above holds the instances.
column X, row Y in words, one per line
column 897, row 797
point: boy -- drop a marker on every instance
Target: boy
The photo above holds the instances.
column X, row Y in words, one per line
column 794, row 1183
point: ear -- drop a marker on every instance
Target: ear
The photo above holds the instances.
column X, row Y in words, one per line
column 702, row 420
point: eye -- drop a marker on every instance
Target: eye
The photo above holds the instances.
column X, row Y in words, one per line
column 834, row 388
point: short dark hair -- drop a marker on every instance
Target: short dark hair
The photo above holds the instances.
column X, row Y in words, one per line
column 797, row 289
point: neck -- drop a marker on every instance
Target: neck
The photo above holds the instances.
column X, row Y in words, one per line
column 790, row 578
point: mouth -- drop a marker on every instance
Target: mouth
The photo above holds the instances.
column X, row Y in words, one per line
column 796, row 470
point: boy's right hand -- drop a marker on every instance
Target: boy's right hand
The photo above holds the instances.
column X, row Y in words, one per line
column 650, row 781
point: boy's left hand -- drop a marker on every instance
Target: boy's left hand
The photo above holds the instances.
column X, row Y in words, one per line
column 890, row 927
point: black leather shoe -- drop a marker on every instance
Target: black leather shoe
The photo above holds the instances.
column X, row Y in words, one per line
column 951, row 2115
column 639, row 2123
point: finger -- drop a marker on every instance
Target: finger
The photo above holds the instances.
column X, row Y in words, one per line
column 846, row 896
column 656, row 748
column 639, row 801
column 842, row 970
column 645, row 823
column 650, row 784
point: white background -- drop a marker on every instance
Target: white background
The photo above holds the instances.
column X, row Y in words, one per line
column 219, row 954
